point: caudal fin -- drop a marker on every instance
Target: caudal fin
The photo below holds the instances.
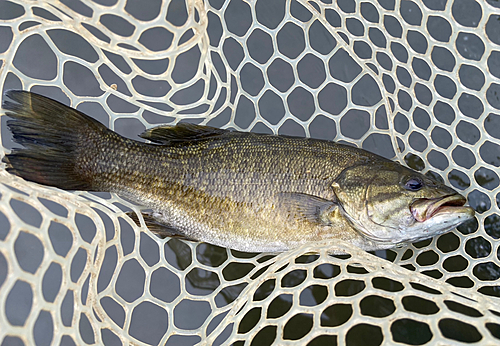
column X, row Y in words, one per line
column 52, row 135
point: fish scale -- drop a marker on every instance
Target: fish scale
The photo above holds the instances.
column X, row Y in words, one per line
column 246, row 191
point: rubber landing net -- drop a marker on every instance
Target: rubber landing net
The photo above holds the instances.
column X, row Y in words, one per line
column 416, row 81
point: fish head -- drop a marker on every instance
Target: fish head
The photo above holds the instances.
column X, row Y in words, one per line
column 392, row 204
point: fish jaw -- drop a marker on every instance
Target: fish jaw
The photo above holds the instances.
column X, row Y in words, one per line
column 447, row 207
column 436, row 216
column 425, row 218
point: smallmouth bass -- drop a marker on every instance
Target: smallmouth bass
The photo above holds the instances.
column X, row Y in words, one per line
column 244, row 191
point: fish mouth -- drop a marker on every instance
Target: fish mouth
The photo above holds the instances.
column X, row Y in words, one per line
column 423, row 209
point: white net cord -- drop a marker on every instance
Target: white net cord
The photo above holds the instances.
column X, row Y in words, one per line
column 415, row 81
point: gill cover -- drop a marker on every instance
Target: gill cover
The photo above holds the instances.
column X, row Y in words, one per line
column 351, row 188
column 377, row 200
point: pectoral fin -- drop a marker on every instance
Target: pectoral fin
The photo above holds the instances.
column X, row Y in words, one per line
column 304, row 207
column 158, row 228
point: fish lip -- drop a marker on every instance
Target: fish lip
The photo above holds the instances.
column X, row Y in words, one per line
column 423, row 209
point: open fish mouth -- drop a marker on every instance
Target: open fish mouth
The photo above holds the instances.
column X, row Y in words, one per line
column 423, row 209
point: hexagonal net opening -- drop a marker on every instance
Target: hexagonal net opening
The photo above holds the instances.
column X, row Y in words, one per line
column 414, row 81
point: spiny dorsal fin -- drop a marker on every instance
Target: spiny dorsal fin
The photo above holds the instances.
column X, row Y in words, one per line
column 182, row 132
column 304, row 207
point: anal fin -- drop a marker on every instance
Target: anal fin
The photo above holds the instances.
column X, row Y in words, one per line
column 160, row 229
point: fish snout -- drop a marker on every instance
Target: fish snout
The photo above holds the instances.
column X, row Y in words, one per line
column 423, row 209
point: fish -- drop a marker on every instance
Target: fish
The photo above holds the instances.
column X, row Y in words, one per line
column 239, row 190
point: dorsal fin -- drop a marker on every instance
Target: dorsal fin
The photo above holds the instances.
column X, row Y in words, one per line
column 183, row 132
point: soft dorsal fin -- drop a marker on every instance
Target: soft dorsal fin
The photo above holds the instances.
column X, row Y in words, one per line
column 183, row 132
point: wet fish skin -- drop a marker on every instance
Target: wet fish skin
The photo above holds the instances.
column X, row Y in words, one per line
column 245, row 191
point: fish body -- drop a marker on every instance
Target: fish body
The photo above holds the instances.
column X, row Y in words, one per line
column 245, row 191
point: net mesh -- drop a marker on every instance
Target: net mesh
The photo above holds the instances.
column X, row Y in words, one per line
column 416, row 81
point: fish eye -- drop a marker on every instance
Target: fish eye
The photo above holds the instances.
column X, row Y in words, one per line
column 414, row 184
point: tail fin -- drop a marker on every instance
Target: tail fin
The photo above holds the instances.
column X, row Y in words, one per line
column 52, row 135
